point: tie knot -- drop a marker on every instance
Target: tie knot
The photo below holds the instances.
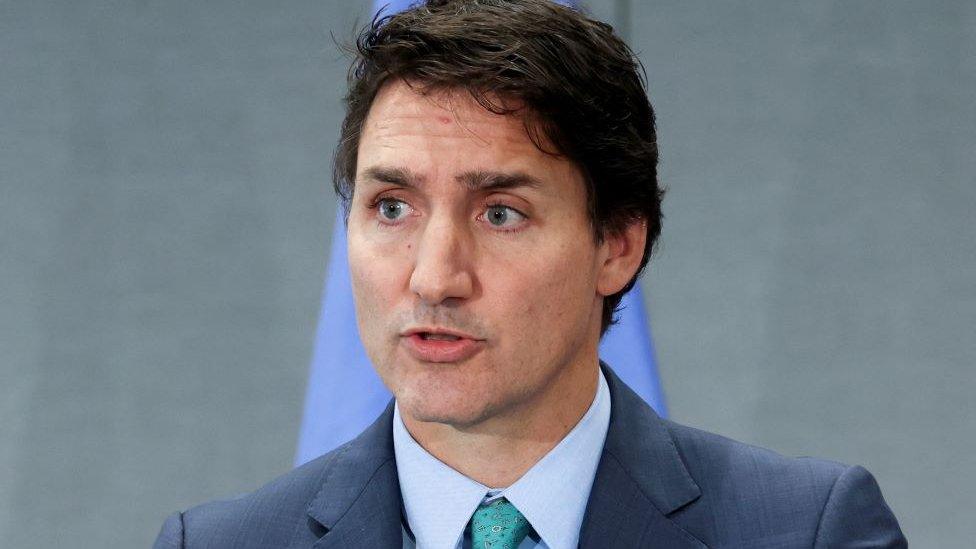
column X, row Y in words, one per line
column 498, row 525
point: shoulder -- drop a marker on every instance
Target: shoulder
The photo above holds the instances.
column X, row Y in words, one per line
column 278, row 513
column 753, row 493
column 267, row 516
column 716, row 461
column 728, row 494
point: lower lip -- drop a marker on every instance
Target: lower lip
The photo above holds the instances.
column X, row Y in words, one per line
column 441, row 350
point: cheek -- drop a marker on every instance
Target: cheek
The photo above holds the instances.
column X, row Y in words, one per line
column 377, row 280
column 376, row 274
column 549, row 289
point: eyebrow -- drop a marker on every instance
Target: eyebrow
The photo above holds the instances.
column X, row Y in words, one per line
column 483, row 180
column 492, row 181
column 400, row 177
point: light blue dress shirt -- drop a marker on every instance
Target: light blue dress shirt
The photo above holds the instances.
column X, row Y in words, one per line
column 439, row 501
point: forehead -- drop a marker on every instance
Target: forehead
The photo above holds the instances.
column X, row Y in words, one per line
column 447, row 130
column 400, row 108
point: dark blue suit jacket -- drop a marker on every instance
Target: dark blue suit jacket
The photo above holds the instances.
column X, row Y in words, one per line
column 658, row 484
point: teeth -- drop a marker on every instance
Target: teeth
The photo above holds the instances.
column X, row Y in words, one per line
column 441, row 337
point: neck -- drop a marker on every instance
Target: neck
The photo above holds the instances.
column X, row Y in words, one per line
column 499, row 450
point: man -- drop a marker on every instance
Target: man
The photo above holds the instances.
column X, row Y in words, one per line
column 498, row 168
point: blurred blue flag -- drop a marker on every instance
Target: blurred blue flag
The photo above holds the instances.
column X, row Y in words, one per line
column 345, row 395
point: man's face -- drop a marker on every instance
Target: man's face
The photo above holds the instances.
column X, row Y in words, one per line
column 473, row 261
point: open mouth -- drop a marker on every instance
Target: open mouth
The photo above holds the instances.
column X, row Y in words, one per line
column 426, row 336
column 431, row 345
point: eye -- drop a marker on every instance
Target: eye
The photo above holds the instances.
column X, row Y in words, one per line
column 503, row 217
column 391, row 209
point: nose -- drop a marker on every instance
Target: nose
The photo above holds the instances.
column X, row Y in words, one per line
column 441, row 270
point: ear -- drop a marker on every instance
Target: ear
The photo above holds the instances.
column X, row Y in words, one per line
column 621, row 255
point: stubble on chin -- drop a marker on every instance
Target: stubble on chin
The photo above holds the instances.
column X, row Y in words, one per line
column 423, row 401
column 464, row 410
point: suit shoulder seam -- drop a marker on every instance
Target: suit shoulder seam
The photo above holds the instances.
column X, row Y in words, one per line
column 823, row 511
column 182, row 531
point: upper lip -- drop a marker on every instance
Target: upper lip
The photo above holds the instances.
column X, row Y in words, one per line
column 442, row 331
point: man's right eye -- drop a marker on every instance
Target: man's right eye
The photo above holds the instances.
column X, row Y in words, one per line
column 391, row 209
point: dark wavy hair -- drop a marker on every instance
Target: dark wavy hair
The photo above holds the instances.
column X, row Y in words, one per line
column 581, row 87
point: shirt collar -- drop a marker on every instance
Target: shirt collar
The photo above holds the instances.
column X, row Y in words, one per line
column 552, row 495
column 437, row 500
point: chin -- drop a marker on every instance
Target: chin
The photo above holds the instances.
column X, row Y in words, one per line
column 435, row 405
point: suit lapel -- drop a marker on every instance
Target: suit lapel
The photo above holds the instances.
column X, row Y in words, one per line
column 639, row 482
column 359, row 503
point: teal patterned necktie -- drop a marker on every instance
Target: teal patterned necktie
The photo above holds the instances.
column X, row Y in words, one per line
column 498, row 525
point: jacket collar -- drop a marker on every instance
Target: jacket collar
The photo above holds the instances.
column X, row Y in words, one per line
column 640, row 480
column 359, row 503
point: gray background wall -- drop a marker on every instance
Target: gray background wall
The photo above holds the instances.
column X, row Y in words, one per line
column 165, row 218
